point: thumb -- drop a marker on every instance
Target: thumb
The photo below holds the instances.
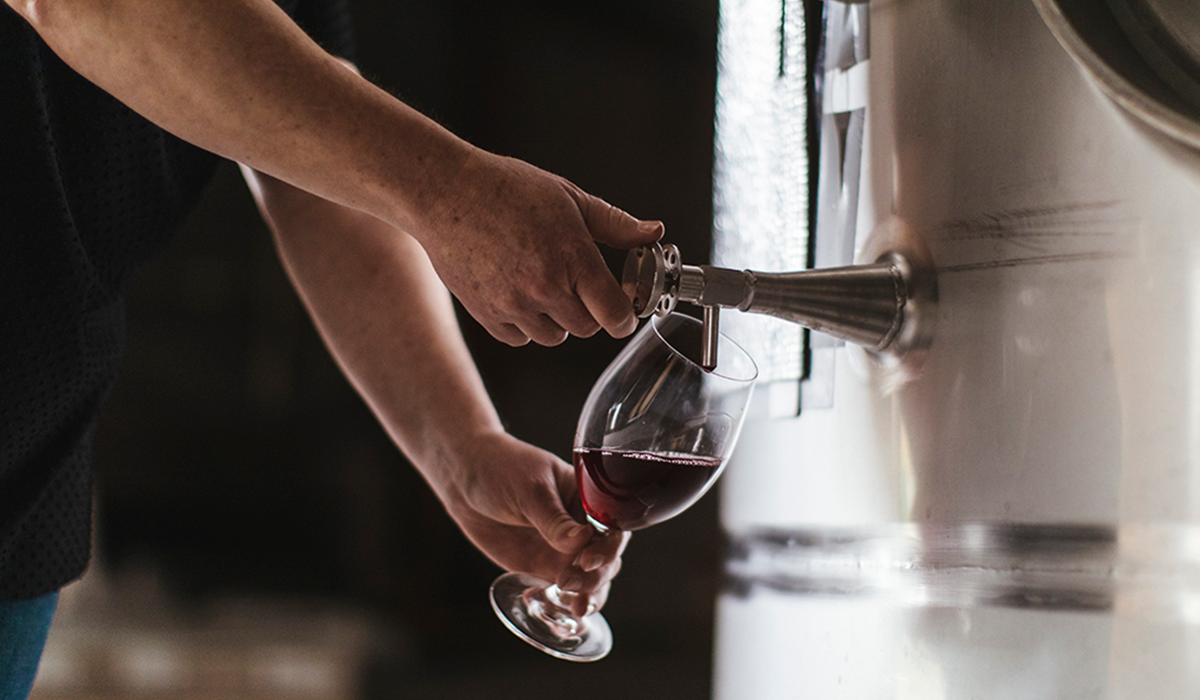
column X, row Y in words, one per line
column 565, row 534
column 555, row 524
column 614, row 227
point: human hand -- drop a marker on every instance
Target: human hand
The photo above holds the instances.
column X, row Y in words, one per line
column 509, row 498
column 517, row 246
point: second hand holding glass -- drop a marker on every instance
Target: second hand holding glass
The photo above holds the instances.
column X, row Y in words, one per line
column 655, row 433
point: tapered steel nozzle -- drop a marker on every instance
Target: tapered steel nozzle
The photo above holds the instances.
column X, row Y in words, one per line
column 874, row 305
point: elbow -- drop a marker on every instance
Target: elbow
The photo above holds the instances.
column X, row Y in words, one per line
column 32, row 10
column 66, row 25
column 43, row 15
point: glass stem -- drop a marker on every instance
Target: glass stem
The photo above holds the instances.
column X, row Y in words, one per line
column 552, row 606
column 600, row 527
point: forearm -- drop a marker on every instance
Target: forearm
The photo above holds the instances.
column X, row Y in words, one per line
column 238, row 78
column 386, row 318
column 515, row 244
column 389, row 322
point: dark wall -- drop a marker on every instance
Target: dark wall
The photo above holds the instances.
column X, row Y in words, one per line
column 235, row 457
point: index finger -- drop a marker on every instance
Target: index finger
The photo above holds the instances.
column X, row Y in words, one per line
column 606, row 302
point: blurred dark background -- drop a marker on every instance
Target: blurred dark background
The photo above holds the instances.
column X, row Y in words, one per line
column 235, row 460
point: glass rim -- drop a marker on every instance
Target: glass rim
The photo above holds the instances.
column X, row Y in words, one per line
column 657, row 319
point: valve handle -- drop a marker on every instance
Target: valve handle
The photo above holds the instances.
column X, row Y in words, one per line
column 651, row 279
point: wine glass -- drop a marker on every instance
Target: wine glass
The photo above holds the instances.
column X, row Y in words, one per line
column 654, row 435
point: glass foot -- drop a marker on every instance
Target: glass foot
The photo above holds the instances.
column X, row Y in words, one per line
column 538, row 612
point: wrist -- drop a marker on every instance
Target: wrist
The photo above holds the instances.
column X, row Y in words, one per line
column 417, row 164
column 457, row 466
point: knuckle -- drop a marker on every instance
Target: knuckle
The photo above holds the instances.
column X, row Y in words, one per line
column 545, row 288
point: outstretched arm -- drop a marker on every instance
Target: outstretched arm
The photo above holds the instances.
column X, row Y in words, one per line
column 390, row 324
column 237, row 77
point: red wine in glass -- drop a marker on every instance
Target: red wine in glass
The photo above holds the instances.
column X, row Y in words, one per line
column 653, row 436
column 630, row 490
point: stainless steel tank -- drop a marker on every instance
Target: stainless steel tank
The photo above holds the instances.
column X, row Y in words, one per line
column 1012, row 511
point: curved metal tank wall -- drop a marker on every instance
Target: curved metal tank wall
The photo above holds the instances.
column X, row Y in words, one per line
column 1016, row 513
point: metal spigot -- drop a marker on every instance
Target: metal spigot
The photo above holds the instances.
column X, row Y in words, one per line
column 874, row 305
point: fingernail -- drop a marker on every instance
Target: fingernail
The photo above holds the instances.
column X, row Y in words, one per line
column 572, row 530
column 572, row 583
column 590, row 562
column 651, row 228
column 629, row 325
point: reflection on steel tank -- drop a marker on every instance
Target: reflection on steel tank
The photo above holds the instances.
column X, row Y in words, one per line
column 1015, row 511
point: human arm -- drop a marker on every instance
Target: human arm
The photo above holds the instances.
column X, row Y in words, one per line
column 390, row 325
column 515, row 244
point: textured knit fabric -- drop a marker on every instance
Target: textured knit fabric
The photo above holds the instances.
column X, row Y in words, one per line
column 24, row 625
column 88, row 191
